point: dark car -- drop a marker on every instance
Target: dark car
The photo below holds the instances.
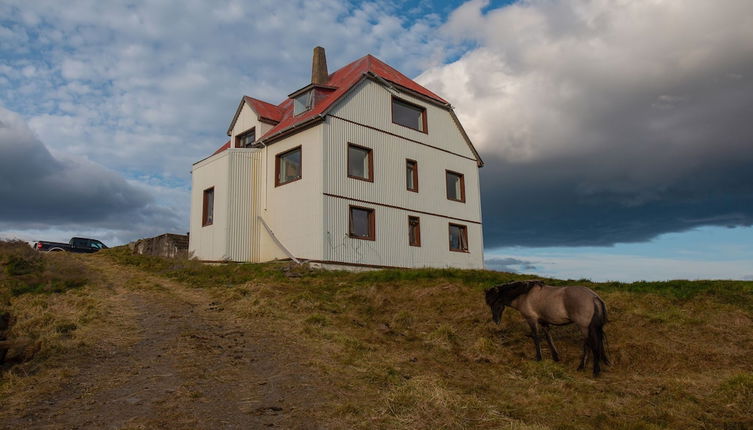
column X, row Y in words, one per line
column 76, row 244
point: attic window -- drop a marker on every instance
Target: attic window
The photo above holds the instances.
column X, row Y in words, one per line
column 303, row 102
column 408, row 115
column 246, row 139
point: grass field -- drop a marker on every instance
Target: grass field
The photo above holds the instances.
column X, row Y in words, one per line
column 417, row 349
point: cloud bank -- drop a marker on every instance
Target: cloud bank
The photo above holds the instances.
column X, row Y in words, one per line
column 39, row 190
column 604, row 122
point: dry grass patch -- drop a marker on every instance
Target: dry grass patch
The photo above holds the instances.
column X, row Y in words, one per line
column 56, row 308
column 416, row 348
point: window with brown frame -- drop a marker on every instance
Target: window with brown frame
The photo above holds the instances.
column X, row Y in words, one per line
column 207, row 211
column 455, row 186
column 288, row 167
column 246, row 139
column 362, row 223
column 458, row 238
column 360, row 163
column 414, row 231
column 411, row 175
column 408, row 114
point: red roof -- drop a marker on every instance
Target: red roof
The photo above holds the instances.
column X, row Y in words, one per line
column 338, row 83
column 265, row 110
column 222, row 148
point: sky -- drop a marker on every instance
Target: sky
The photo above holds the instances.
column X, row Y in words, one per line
column 617, row 135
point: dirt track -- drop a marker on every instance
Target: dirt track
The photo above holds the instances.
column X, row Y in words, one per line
column 189, row 364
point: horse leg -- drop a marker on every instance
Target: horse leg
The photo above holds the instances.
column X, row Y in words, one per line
column 552, row 348
column 584, row 357
column 586, row 349
column 535, row 335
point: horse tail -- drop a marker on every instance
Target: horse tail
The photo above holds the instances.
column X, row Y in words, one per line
column 596, row 335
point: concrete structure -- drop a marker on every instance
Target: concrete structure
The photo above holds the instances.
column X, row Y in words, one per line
column 361, row 167
column 165, row 245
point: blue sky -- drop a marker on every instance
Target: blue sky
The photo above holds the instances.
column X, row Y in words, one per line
column 616, row 135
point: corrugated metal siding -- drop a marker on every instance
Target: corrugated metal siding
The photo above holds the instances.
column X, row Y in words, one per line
column 209, row 242
column 391, row 246
column 371, row 104
column 389, row 154
column 293, row 211
column 242, row 221
column 392, row 202
column 257, row 185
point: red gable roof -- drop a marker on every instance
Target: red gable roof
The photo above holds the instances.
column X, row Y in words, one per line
column 264, row 110
column 338, row 83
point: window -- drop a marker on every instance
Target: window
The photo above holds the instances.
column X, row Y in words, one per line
column 245, row 139
column 302, row 103
column 288, row 166
column 458, row 238
column 207, row 213
column 414, row 231
column 411, row 175
column 362, row 224
column 360, row 163
column 408, row 115
column 455, row 186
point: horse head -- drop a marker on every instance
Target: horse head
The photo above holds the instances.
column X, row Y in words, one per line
column 496, row 303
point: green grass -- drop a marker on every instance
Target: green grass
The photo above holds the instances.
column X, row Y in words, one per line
column 194, row 273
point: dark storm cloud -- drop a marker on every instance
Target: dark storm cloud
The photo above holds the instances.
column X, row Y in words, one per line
column 602, row 123
column 39, row 190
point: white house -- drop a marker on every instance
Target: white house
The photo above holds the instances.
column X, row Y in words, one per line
column 360, row 167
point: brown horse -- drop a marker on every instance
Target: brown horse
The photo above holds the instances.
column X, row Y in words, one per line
column 543, row 306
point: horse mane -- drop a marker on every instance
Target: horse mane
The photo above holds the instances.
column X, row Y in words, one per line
column 511, row 290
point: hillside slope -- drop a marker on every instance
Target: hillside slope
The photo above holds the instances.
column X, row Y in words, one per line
column 402, row 348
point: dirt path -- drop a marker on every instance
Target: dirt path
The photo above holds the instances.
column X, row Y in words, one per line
column 190, row 365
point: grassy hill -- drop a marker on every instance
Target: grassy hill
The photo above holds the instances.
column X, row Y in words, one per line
column 417, row 349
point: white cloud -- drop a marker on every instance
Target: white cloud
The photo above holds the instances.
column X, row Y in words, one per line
column 604, row 121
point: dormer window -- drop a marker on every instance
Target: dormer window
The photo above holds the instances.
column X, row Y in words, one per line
column 303, row 102
column 245, row 139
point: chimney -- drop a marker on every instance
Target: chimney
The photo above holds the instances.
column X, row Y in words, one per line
column 319, row 67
